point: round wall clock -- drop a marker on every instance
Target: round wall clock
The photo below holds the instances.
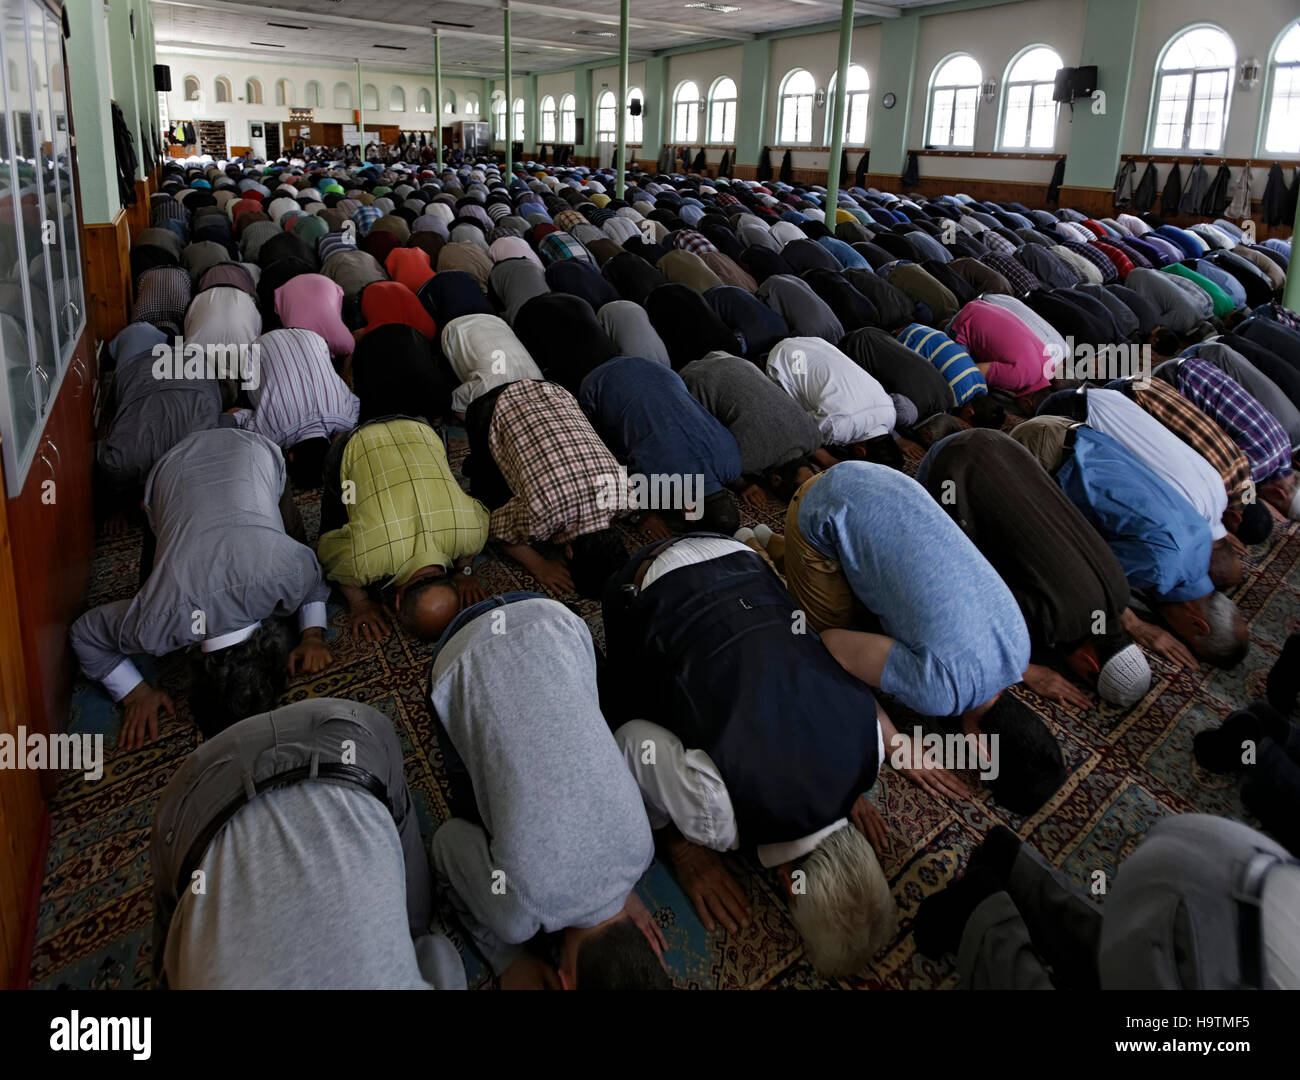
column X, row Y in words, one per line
column 889, row 100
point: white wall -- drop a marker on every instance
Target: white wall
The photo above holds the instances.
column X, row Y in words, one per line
column 238, row 114
column 606, row 78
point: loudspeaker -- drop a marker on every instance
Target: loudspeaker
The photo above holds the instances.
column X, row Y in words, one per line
column 580, row 130
column 635, row 107
column 162, row 77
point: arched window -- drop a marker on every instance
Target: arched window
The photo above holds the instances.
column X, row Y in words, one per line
column 686, row 112
column 192, row 88
column 370, row 98
column 517, row 114
column 315, row 94
column 607, row 118
column 449, row 102
column 397, row 99
column 1193, row 82
column 499, row 116
column 954, row 99
column 1282, row 129
column 795, row 107
column 423, row 101
column 253, row 92
column 1029, row 113
column 471, row 105
column 283, row 92
column 223, row 88
column 568, row 119
column 548, row 119
column 634, row 128
column 343, row 96
column 857, row 98
column 722, row 111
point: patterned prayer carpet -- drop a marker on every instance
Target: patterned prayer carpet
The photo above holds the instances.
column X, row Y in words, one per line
column 1126, row 771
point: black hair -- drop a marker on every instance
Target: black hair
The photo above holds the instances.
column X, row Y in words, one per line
column 783, row 479
column 620, row 958
column 1256, row 523
column 596, row 556
column 1165, row 342
column 986, row 413
column 240, row 681
column 305, row 462
column 883, row 450
column 1030, row 766
column 719, row 514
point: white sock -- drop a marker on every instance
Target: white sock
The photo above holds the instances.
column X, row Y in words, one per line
column 762, row 533
column 744, row 534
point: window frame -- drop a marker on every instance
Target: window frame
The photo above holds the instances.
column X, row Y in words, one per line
column 716, row 137
column 250, row 84
column 549, row 120
column 1270, row 93
column 217, row 84
column 1034, row 86
column 635, row 124
column 1161, row 74
column 931, row 102
column 568, row 118
column 686, row 113
column 608, row 111
column 848, row 111
column 518, row 116
column 784, row 97
column 318, row 102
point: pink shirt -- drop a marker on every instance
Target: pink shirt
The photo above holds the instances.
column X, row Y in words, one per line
column 314, row 302
column 992, row 335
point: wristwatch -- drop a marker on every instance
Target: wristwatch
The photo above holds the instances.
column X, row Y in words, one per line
column 468, row 571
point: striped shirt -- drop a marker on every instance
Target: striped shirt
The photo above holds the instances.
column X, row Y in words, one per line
column 552, row 458
column 1252, row 427
column 299, row 397
column 951, row 361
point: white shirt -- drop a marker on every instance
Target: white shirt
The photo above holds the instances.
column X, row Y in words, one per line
column 848, row 404
column 484, row 353
column 1148, row 440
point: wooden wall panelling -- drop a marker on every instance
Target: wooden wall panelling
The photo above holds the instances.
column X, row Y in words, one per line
column 23, row 815
column 106, row 248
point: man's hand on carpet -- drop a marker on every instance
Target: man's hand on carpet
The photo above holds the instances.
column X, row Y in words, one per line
column 1053, row 686
column 752, row 495
column 869, row 823
column 938, row 782
column 368, row 621
column 310, row 655
column 470, row 589
column 711, row 888
column 1154, row 639
column 141, row 716
column 640, row 915
column 553, row 574
column 529, row 972
column 653, row 527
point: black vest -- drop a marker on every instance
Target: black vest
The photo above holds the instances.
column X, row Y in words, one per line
column 709, row 652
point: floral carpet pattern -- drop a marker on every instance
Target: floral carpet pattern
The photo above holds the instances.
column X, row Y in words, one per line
column 1126, row 770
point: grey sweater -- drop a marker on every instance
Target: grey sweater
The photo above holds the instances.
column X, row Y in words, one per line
column 766, row 422
column 565, row 835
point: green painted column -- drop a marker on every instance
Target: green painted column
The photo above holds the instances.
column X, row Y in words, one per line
column 621, row 115
column 582, row 107
column 510, row 87
column 90, row 74
column 1291, row 296
column 837, row 113
column 652, row 108
column 530, row 116
column 890, row 128
column 751, row 110
column 437, row 94
column 1097, row 139
column 361, row 113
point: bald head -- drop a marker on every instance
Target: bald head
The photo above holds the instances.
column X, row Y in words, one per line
column 427, row 605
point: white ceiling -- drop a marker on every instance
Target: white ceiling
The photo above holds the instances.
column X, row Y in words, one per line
column 546, row 36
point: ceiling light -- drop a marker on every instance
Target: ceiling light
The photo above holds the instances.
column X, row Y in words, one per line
column 595, row 33
column 721, row 9
column 288, row 26
column 395, row 48
column 445, row 22
column 267, row 44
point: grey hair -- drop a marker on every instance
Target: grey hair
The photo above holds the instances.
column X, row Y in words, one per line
column 846, row 913
column 1222, row 645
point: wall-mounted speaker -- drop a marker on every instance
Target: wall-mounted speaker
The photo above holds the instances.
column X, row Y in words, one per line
column 635, row 106
column 162, row 77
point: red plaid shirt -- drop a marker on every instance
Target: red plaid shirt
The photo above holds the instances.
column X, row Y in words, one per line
column 1123, row 264
column 554, row 461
